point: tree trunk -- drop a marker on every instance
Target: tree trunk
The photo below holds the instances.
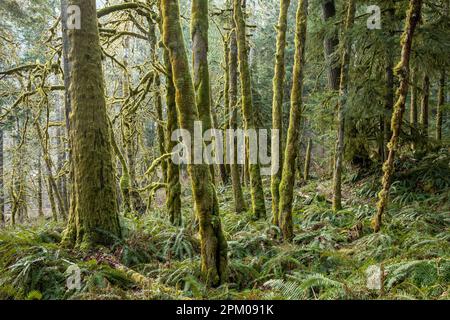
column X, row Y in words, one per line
column 441, row 103
column 96, row 218
column 342, row 103
column 389, row 97
column 277, row 105
column 257, row 192
column 330, row 45
column 239, row 202
column 199, row 34
column 213, row 244
column 307, row 160
column 424, row 107
column 39, row 185
column 413, row 106
column 292, row 142
column 173, row 190
column 2, row 186
column 402, row 70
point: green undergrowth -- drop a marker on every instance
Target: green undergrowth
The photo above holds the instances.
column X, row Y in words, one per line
column 328, row 259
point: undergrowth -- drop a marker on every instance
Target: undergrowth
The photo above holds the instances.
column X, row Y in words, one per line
column 328, row 258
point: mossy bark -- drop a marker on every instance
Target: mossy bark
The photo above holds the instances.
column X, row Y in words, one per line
column 199, row 35
column 424, row 106
column 402, row 71
column 293, row 134
column 342, row 102
column 39, row 186
column 173, row 190
column 213, row 244
column 238, row 196
column 277, row 103
column 389, row 95
column 2, row 186
column 307, row 165
column 440, row 107
column 95, row 219
column 257, row 192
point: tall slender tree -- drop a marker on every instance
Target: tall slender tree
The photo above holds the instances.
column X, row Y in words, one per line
column 277, row 104
column 213, row 243
column 199, row 35
column 424, row 106
column 441, row 103
column 257, row 192
column 292, row 141
column 239, row 202
column 342, row 104
column 402, row 71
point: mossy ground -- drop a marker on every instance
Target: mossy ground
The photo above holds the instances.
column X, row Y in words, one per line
column 328, row 259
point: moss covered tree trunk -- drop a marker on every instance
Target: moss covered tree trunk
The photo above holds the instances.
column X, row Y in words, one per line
column 257, row 192
column 413, row 114
column 440, row 107
column 239, row 202
column 96, row 219
column 199, row 35
column 307, row 165
column 342, row 102
column 277, row 104
column 293, row 134
column 389, row 73
column 424, row 106
column 402, row 71
column 39, row 185
column 173, row 190
column 213, row 244
column 2, row 185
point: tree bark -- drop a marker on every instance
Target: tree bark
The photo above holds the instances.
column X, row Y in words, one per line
column 257, row 192
column 96, row 219
column 402, row 71
column 239, row 202
column 331, row 43
column 342, row 103
column 441, row 103
column 277, row 105
column 199, row 35
column 424, row 107
column 292, row 142
column 214, row 258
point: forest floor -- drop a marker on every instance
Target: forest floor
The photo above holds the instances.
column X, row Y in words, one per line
column 328, row 259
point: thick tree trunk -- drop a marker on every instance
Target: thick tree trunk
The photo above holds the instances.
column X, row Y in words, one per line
column 292, row 142
column 257, row 192
column 213, row 244
column 96, row 218
column 441, row 103
column 402, row 70
column 342, row 103
column 277, row 105
column 239, row 202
